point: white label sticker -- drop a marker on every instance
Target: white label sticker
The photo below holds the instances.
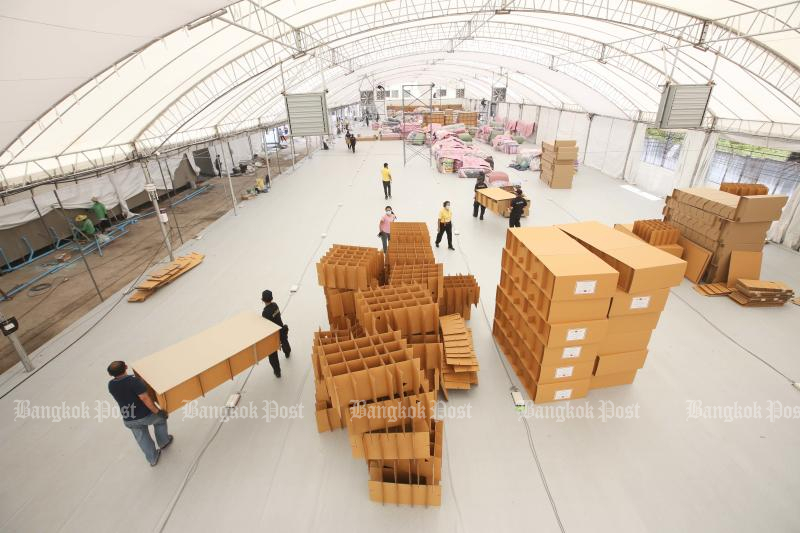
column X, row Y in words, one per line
column 585, row 287
column 577, row 334
column 565, row 394
column 640, row 302
column 571, row 352
column 564, row 371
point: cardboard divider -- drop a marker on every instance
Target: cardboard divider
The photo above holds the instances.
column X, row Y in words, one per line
column 350, row 267
column 460, row 293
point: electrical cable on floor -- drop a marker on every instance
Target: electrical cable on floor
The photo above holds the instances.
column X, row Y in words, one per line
column 216, row 429
column 734, row 341
column 528, row 428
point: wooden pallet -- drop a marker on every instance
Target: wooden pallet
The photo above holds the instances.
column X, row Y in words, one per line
column 714, row 289
column 165, row 276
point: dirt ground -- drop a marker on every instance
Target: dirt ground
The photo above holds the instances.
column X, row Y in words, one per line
column 44, row 314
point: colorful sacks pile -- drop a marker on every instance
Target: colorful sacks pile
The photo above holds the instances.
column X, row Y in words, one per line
column 417, row 138
column 453, row 148
column 505, row 144
column 466, row 137
column 474, row 167
column 527, row 159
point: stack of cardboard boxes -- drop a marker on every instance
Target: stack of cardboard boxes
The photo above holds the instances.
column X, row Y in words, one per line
column 409, row 309
column 558, row 163
column 342, row 271
column 410, row 245
column 645, row 276
column 722, row 223
column 468, row 118
column 551, row 313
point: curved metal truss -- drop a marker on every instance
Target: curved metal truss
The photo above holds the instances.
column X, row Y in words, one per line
column 270, row 55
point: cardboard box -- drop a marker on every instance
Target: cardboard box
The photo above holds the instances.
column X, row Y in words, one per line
column 619, row 362
column 759, row 208
column 627, row 229
column 619, row 325
column 512, row 279
column 631, row 341
column 192, row 367
column 641, row 267
column 624, row 303
column 562, row 268
column 564, row 182
column 567, row 390
column 613, row 380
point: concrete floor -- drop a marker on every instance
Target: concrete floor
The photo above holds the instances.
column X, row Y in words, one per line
column 662, row 471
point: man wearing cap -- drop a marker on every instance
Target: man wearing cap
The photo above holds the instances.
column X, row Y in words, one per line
column 517, row 207
column 273, row 314
column 139, row 411
column 101, row 213
column 85, row 226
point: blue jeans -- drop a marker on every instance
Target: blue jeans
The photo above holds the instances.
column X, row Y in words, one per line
column 142, row 434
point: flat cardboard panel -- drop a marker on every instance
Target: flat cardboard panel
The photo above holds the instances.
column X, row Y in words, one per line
column 744, row 265
column 760, row 208
column 620, row 362
column 697, row 259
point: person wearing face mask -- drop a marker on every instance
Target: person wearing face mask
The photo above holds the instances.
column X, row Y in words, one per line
column 445, row 226
column 385, row 227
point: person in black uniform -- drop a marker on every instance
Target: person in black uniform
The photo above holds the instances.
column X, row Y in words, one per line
column 475, row 205
column 273, row 314
column 517, row 207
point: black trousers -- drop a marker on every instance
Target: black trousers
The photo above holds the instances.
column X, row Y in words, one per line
column 387, row 188
column 285, row 347
column 275, row 363
column 353, row 146
column 475, row 207
column 103, row 225
column 447, row 227
column 513, row 220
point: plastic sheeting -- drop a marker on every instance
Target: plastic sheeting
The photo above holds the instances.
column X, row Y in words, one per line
column 608, row 144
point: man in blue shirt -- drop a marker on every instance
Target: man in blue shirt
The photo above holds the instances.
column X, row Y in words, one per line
column 139, row 411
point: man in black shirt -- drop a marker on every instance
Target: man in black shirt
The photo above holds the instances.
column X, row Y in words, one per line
column 139, row 411
column 273, row 314
column 475, row 205
column 517, row 207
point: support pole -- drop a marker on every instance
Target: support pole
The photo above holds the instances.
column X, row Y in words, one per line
column 230, row 182
column 21, row 353
column 291, row 142
column 172, row 186
column 588, row 136
column 41, row 219
column 80, row 248
column 152, row 193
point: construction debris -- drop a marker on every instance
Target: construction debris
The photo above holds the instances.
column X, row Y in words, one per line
column 165, row 276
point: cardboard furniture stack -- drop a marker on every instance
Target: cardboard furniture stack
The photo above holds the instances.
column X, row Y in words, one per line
column 379, row 390
column 558, row 163
column 380, row 367
column 645, row 276
column 344, row 270
column 551, row 313
column 721, row 223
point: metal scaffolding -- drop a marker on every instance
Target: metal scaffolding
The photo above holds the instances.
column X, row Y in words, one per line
column 410, row 149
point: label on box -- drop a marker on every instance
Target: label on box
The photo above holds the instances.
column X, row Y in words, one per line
column 571, row 352
column 640, row 302
column 577, row 334
column 565, row 394
column 564, row 371
column 585, row 287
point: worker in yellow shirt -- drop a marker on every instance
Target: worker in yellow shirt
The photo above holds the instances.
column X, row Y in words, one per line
column 445, row 226
column 386, row 176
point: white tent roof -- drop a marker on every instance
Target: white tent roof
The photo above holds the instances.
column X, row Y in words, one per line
column 87, row 83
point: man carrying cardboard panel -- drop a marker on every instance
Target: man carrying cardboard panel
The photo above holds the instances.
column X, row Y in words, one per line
column 273, row 314
column 139, row 411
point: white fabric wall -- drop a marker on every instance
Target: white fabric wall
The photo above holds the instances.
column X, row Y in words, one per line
column 635, row 163
column 608, row 145
column 573, row 126
column 548, row 125
column 529, row 113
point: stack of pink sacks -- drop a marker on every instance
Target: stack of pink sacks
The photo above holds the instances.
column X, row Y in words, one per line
column 505, row 144
column 483, row 133
column 474, row 166
column 497, row 178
